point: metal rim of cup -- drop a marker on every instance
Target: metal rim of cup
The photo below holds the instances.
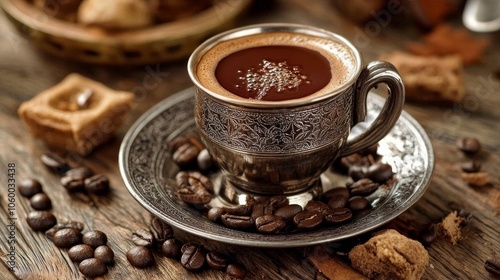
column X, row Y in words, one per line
column 268, row 28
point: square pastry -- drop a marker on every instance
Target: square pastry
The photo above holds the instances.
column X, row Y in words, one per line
column 78, row 114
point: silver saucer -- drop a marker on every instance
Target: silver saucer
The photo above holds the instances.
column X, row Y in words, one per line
column 147, row 170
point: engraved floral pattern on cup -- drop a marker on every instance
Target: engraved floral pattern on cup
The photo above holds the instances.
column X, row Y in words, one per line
column 277, row 131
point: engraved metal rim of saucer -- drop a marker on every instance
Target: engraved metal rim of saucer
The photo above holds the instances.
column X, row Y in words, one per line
column 147, row 169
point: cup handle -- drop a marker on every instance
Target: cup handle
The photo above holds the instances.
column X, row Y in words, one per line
column 374, row 73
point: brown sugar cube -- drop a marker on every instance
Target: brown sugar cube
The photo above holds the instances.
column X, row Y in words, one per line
column 390, row 255
column 478, row 179
column 78, row 114
column 430, row 79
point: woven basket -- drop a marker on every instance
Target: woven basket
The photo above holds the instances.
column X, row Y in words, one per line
column 158, row 43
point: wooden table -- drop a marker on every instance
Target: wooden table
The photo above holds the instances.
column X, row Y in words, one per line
column 25, row 71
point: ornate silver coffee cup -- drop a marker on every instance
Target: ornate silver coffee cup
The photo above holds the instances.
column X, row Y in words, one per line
column 282, row 148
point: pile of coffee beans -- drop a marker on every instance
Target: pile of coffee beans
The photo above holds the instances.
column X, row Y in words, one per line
column 471, row 167
column 192, row 256
column 272, row 215
column 78, row 179
column 41, row 219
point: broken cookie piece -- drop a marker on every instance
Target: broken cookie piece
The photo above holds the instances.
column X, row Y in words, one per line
column 390, row 255
column 78, row 114
column 115, row 15
column 429, row 79
column 451, row 227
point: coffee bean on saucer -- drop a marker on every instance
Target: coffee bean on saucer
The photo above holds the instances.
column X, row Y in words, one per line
column 237, row 222
column 92, row 267
column 363, row 187
column 316, row 206
column 287, row 212
column 29, row 187
column 492, row 265
column 308, row 220
column 193, row 257
column 194, row 197
column 41, row 220
column 278, row 201
column 105, row 254
column 261, row 209
column 339, row 200
column 74, row 179
column 142, row 237
column 67, row 237
column 350, row 160
column 185, row 155
column 325, row 197
column 204, row 160
column 55, row 163
column 357, row 172
column 40, row 201
column 65, row 224
column 171, row 248
column 357, row 203
column 472, row 166
column 140, row 257
column 98, row 184
column 468, row 145
column 269, row 224
column 379, row 172
column 236, row 271
column 215, row 214
column 338, row 215
column 160, row 230
column 217, row 260
column 240, row 210
column 80, row 252
column 94, row 238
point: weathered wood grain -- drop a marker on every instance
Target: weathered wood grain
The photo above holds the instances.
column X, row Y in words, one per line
column 24, row 71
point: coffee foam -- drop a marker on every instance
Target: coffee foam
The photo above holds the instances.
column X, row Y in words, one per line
column 340, row 57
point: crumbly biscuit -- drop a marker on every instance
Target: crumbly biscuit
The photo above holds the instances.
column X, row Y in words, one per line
column 115, row 14
column 390, row 255
column 451, row 227
column 78, row 114
column 430, row 79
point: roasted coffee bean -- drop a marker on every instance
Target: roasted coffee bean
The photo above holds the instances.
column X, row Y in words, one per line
column 325, row 197
column 215, row 214
column 92, row 267
column 307, row 220
column 185, row 155
column 177, row 142
column 105, row 254
column 140, row 257
column 236, row 271
column 379, row 172
column 80, row 252
column 338, row 200
column 237, row 222
column 40, row 201
column 98, row 184
column 469, row 146
column 429, row 234
column 350, row 160
column 67, row 237
column 363, row 187
column 200, row 181
column 357, row 172
column 171, row 248
column 29, row 187
column 142, row 237
column 278, row 201
column 204, row 160
column 41, row 220
column 260, row 210
column 182, row 179
column 193, row 257
column 65, row 224
column 55, row 163
column 74, row 179
column 269, row 224
column 472, row 166
column 160, row 230
column 190, row 197
column 492, row 265
column 338, row 215
column 287, row 212
column 94, row 238
column 316, row 206
column 217, row 260
column 240, row 210
column 357, row 203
